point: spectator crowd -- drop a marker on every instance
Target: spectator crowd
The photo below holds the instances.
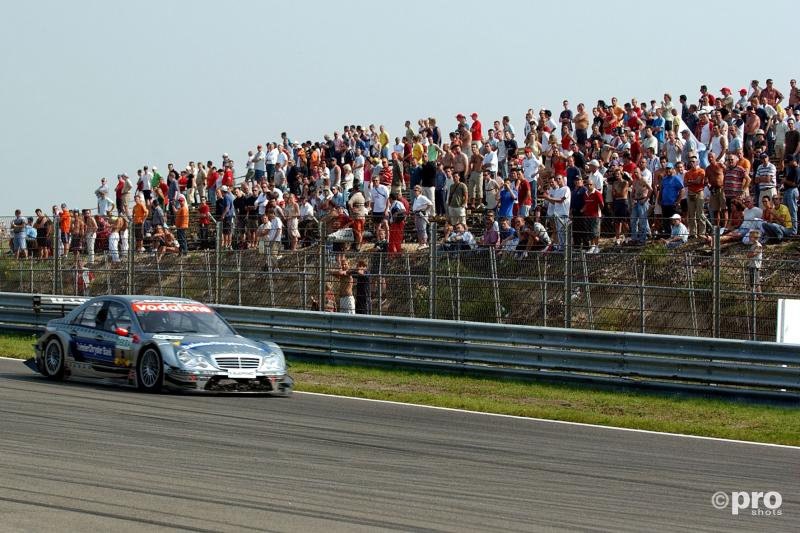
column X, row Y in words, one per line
column 638, row 172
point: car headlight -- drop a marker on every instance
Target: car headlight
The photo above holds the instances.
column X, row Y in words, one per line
column 191, row 361
column 273, row 362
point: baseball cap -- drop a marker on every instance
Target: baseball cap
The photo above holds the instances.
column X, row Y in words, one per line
column 670, row 165
column 181, row 198
column 764, row 155
column 224, row 188
column 460, row 115
column 474, row 115
column 594, row 163
column 676, row 216
column 742, row 91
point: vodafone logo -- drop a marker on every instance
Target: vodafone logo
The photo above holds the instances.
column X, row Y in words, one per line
column 148, row 307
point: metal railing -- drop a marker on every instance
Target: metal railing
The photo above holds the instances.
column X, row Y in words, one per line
column 678, row 363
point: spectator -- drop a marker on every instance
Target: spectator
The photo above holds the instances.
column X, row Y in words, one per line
column 457, row 201
column 397, row 223
column 459, row 239
column 421, row 208
column 695, row 181
column 90, row 234
column 103, row 203
column 347, row 302
column 227, row 216
column 140, row 213
column 19, row 238
column 765, row 177
column 679, row 235
column 592, row 207
column 777, row 224
column 182, row 224
column 44, row 234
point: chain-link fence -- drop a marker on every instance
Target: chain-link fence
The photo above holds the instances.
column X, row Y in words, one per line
column 700, row 288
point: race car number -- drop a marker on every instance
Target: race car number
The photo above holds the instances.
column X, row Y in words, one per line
column 241, row 373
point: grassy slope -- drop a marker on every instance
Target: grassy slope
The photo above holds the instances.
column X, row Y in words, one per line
column 694, row 416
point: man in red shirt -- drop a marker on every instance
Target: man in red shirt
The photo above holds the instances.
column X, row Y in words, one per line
column 204, row 218
column 593, row 204
column 475, row 130
column 524, row 199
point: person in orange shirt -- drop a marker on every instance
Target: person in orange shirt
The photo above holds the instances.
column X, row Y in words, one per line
column 140, row 213
column 744, row 162
column 182, row 223
column 695, row 180
column 65, row 226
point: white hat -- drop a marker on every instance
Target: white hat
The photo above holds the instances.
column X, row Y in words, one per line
column 676, row 216
column 225, row 154
column 224, row 188
column 594, row 163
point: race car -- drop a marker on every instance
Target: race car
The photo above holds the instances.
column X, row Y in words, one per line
column 154, row 343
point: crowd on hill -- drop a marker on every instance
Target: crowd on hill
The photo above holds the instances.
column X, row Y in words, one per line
column 637, row 171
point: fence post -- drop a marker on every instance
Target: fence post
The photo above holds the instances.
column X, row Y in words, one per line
column 641, row 294
column 131, row 259
column 305, row 281
column 498, row 310
column 218, row 264
column 239, row 277
column 715, row 295
column 56, row 258
column 180, row 276
column 432, row 267
column 410, row 285
column 567, row 275
column 322, row 265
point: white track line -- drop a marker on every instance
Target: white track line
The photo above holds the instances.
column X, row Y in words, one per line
column 529, row 418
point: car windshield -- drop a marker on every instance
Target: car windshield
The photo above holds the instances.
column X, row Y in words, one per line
column 179, row 317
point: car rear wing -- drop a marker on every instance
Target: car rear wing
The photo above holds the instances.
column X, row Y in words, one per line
column 56, row 306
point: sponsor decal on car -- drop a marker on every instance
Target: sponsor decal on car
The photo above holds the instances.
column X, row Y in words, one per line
column 96, row 351
column 174, row 307
column 163, row 337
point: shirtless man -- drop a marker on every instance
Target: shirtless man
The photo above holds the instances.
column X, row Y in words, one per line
column 347, row 302
column 715, row 174
column 619, row 194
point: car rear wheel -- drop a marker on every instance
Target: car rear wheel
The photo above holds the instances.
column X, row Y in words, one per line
column 149, row 371
column 53, row 360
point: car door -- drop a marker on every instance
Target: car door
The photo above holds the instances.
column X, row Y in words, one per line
column 94, row 345
column 82, row 332
column 116, row 331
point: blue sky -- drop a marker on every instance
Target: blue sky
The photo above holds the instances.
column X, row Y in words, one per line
column 97, row 88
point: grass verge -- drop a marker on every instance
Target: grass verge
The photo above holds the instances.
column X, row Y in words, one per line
column 637, row 410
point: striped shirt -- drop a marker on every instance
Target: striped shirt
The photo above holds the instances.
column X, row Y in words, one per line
column 765, row 176
column 734, row 181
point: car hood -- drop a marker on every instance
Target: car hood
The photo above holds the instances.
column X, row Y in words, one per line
column 213, row 345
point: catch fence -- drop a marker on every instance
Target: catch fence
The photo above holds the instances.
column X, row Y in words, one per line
column 693, row 290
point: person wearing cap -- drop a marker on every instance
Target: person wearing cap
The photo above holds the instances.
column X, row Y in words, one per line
column 227, row 215
column 476, row 130
column 182, row 223
column 679, row 234
column 727, row 98
column 670, row 195
column 765, row 177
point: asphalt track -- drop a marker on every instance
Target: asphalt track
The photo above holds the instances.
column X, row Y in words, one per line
column 86, row 457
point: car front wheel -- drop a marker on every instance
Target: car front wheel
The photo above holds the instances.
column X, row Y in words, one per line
column 149, row 371
column 54, row 360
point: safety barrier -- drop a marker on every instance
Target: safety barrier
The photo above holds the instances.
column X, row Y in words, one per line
column 679, row 363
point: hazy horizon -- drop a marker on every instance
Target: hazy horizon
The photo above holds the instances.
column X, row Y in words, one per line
column 95, row 89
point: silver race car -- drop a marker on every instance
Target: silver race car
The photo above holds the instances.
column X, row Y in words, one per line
column 156, row 343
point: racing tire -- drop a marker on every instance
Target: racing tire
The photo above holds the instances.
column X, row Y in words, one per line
column 149, row 371
column 53, row 360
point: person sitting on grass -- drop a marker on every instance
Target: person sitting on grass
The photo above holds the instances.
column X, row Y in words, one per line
column 680, row 233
